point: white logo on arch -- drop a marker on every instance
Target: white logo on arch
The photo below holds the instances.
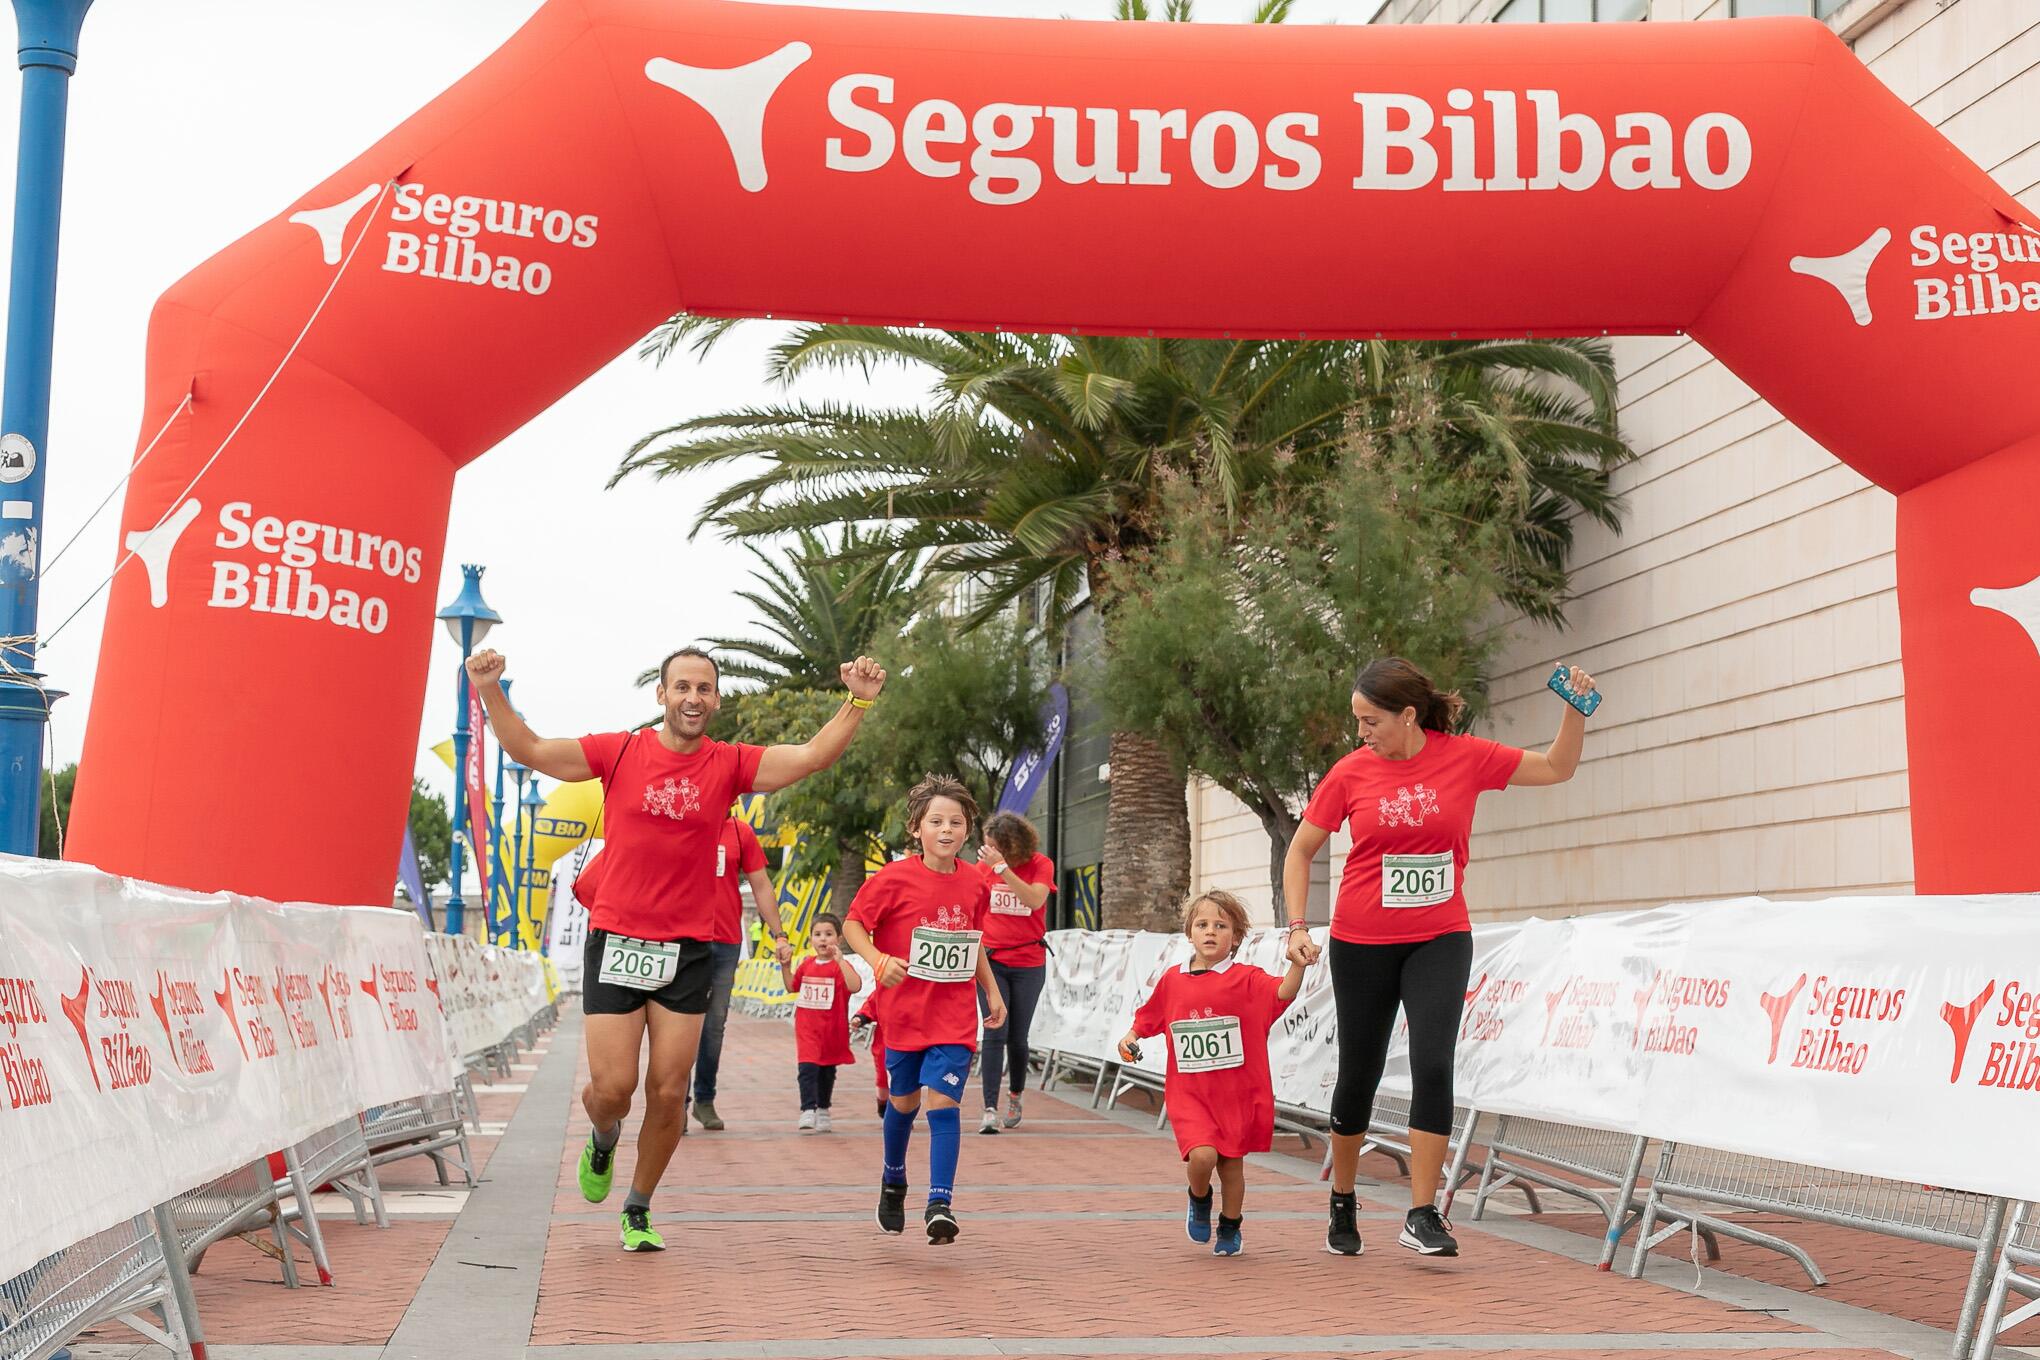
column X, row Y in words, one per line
column 1849, row 272
column 331, row 223
column 153, row 546
column 2020, row 604
column 736, row 97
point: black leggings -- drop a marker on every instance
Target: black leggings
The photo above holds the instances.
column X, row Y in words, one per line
column 1427, row 979
column 1005, row 1049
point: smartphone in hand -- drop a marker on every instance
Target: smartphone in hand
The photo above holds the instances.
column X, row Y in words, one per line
column 1585, row 703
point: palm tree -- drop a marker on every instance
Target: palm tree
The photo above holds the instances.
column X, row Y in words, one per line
column 821, row 606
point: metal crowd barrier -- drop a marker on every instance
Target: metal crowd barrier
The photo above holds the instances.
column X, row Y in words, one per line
column 427, row 1126
column 1916, row 1213
column 234, row 1205
column 336, row 1156
column 2018, row 1271
column 121, row 1273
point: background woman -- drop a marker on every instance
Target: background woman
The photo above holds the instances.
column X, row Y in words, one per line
column 1021, row 878
column 1400, row 932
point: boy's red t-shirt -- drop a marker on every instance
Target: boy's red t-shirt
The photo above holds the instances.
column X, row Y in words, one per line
column 663, row 815
column 1230, row 1109
column 821, row 1013
column 1013, row 931
column 904, row 896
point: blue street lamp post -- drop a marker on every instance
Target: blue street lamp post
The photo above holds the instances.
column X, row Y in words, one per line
column 527, row 857
column 468, row 620
column 48, row 54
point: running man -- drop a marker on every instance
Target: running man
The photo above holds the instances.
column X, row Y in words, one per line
column 666, row 795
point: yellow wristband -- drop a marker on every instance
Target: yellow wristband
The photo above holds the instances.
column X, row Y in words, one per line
column 856, row 702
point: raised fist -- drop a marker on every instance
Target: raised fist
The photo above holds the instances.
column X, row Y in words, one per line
column 486, row 666
column 864, row 678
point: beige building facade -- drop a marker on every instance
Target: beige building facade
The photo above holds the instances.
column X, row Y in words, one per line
column 1745, row 622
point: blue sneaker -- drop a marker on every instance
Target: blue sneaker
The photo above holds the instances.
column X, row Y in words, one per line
column 1229, row 1241
column 1198, row 1223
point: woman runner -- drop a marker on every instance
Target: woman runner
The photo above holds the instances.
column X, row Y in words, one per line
column 1400, row 931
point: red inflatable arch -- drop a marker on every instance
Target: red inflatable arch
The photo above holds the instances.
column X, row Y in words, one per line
column 618, row 160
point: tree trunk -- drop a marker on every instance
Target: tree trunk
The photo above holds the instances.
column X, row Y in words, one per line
column 1280, row 830
column 845, row 879
column 1147, row 838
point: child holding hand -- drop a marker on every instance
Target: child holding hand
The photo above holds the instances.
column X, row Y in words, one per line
column 1221, row 1098
column 821, row 987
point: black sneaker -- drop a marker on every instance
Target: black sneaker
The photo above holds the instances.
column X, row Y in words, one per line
column 892, row 1209
column 941, row 1223
column 1426, row 1231
column 1342, row 1233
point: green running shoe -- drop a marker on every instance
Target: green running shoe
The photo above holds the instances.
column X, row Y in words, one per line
column 597, row 1171
column 637, row 1231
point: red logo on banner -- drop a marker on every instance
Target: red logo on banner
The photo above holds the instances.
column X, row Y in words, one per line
column 1779, row 1007
column 2012, row 1062
column 225, row 996
column 1960, row 1021
column 74, row 1011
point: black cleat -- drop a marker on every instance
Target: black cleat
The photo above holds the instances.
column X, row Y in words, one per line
column 941, row 1223
column 892, row 1209
column 1425, row 1231
column 1342, row 1232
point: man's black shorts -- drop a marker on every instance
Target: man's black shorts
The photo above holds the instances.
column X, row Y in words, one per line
column 687, row 993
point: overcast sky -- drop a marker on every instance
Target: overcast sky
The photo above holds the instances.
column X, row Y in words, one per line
column 194, row 120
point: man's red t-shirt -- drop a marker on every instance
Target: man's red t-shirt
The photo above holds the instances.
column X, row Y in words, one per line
column 1410, row 817
column 1013, row 931
column 900, row 898
column 662, row 815
column 737, row 854
column 1232, row 1108
column 821, row 1013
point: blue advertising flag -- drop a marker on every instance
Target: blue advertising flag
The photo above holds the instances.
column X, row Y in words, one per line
column 1031, row 767
column 413, row 880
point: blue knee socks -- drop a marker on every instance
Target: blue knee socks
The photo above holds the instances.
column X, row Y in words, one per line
column 945, row 1128
column 899, row 1127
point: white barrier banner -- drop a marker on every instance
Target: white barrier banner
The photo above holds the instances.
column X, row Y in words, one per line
column 153, row 1039
column 1891, row 1037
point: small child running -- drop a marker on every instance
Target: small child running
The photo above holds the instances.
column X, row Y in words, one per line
column 822, row 987
column 1217, row 1013
column 919, row 923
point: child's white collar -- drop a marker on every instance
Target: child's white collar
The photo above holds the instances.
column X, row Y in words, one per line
column 1218, row 967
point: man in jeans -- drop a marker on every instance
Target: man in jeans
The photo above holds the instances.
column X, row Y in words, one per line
column 738, row 857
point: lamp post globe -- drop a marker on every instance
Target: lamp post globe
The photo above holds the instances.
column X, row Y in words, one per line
column 468, row 620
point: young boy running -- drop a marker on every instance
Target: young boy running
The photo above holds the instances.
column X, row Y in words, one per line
column 919, row 923
column 1217, row 1012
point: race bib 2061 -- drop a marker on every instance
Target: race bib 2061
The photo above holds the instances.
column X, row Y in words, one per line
column 943, row 955
column 1211, row 1045
column 1416, row 880
column 643, row 965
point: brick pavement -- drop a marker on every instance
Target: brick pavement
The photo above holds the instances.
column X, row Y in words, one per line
column 1071, row 1246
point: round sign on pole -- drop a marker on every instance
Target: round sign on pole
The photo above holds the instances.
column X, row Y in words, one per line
column 17, row 458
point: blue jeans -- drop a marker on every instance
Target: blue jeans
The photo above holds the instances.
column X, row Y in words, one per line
column 722, row 981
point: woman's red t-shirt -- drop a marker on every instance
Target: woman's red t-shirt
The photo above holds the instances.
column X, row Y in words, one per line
column 821, row 1013
column 1405, row 876
column 906, row 894
column 1013, row 930
column 663, row 815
